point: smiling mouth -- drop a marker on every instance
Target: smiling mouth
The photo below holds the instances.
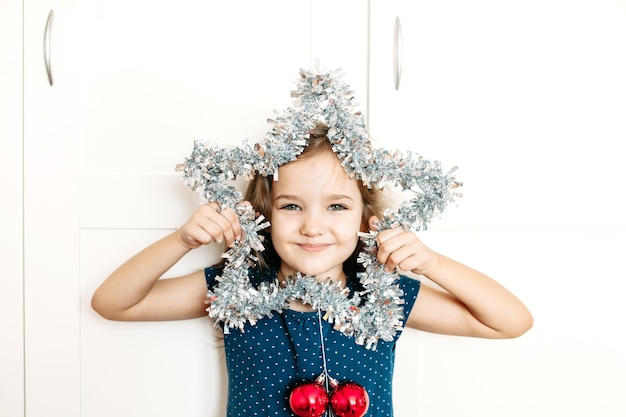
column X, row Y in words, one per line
column 313, row 248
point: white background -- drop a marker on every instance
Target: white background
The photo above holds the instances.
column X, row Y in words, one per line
column 527, row 98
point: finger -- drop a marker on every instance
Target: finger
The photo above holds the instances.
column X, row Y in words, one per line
column 388, row 234
column 232, row 230
column 209, row 224
column 403, row 259
column 227, row 223
column 392, row 247
column 194, row 234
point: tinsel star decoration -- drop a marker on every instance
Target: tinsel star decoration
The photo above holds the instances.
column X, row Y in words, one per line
column 320, row 97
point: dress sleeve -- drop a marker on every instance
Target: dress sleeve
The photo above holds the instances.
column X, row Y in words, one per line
column 411, row 288
column 210, row 274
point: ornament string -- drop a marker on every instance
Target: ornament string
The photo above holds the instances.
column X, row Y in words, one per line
column 326, row 376
column 311, row 399
column 323, row 346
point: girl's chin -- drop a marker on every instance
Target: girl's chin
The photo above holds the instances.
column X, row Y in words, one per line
column 316, row 272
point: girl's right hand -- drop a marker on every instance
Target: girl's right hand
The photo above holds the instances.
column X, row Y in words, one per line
column 208, row 224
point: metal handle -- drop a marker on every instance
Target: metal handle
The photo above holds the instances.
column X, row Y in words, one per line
column 397, row 53
column 46, row 45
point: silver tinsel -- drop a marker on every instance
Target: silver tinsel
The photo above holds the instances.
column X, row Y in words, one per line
column 376, row 312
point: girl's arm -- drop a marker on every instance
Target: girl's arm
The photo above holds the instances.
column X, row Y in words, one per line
column 469, row 303
column 134, row 291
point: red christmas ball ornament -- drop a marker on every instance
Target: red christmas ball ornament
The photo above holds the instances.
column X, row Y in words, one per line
column 308, row 399
column 349, row 400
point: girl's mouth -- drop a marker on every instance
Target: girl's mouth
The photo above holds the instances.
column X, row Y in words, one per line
column 313, row 248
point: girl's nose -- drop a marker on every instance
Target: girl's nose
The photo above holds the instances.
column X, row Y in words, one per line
column 312, row 224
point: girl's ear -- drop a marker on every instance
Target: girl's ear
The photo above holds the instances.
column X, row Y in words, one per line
column 373, row 223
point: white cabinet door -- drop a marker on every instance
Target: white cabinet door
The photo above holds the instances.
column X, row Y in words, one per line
column 340, row 40
column 134, row 84
column 11, row 242
column 157, row 76
column 525, row 98
column 528, row 99
column 51, row 238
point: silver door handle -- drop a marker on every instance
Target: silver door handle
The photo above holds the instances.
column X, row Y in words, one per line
column 47, row 39
column 397, row 53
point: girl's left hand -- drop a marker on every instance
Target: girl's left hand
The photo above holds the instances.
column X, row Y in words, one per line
column 403, row 250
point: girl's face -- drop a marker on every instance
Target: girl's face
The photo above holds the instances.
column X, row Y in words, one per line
column 316, row 214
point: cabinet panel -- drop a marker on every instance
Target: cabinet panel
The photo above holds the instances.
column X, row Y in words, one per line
column 526, row 98
column 339, row 40
column 135, row 201
column 570, row 363
column 158, row 77
column 159, row 369
column 51, row 155
column 11, row 218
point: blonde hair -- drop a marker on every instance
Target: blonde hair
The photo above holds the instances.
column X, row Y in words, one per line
column 259, row 194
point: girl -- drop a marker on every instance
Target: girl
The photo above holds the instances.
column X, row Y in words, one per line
column 316, row 211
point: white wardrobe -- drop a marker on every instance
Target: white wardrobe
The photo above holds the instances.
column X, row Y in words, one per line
column 100, row 100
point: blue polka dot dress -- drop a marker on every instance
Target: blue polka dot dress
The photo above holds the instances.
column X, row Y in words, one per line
column 268, row 359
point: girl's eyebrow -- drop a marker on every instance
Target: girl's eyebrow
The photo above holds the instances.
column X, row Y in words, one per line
column 339, row 197
column 332, row 197
column 285, row 197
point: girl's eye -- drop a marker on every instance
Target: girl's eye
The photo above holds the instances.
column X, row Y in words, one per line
column 290, row 207
column 336, row 207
